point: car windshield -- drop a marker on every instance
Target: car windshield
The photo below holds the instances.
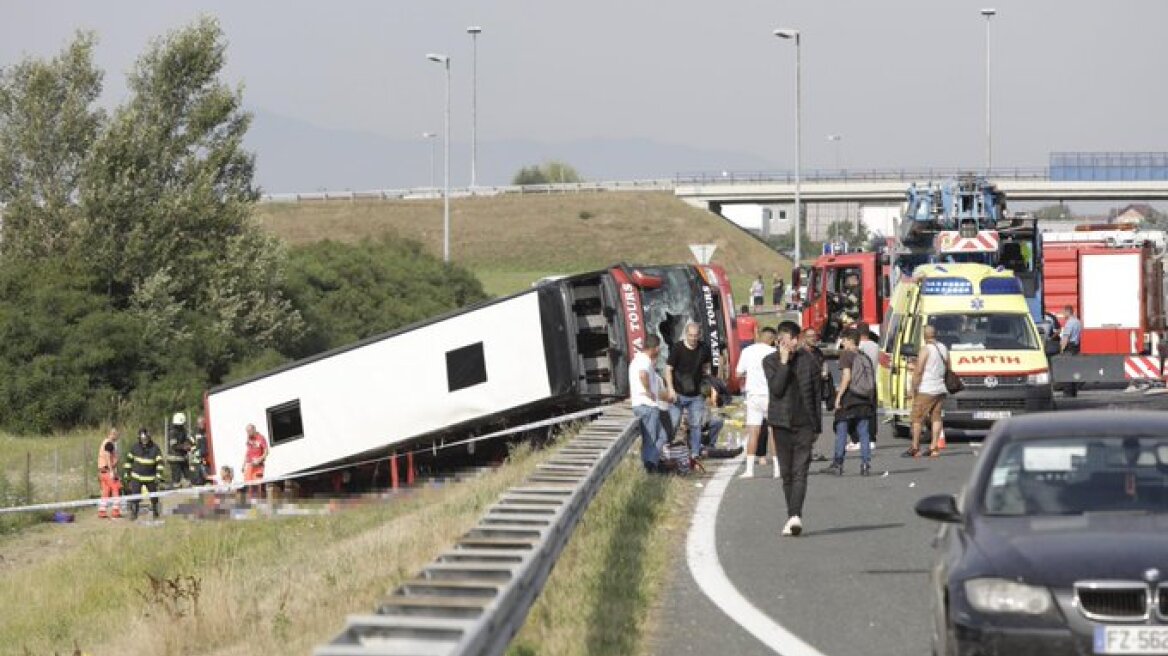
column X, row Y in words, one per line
column 1072, row 476
column 984, row 332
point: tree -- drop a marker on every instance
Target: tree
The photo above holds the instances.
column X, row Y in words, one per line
column 167, row 196
column 48, row 124
column 855, row 233
column 550, row 172
column 1056, row 212
column 350, row 292
column 66, row 356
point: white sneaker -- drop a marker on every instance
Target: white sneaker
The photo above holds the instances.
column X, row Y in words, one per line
column 794, row 526
column 778, row 473
column 853, row 446
column 749, row 473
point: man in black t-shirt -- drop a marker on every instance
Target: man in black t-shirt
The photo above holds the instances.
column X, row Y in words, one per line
column 689, row 361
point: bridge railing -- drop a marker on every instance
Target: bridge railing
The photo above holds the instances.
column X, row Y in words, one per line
column 422, row 193
column 856, row 175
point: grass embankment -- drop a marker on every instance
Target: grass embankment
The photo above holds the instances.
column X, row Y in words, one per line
column 263, row 586
column 58, row 467
column 510, row 241
column 603, row 594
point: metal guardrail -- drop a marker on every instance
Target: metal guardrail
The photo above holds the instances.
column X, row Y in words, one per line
column 474, row 597
column 423, row 193
column 857, row 175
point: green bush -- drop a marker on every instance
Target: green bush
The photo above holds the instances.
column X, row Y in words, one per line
column 349, row 292
column 553, row 172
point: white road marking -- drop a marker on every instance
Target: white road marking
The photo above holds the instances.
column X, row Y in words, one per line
column 701, row 552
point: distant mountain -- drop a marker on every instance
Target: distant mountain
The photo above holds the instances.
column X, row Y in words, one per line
column 294, row 155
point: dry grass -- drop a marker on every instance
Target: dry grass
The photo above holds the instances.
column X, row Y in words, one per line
column 264, row 587
column 62, row 467
column 603, row 592
column 562, row 233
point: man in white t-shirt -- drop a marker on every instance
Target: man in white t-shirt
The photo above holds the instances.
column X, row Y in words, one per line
column 646, row 393
column 757, row 394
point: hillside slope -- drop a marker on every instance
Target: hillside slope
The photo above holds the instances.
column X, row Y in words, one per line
column 510, row 240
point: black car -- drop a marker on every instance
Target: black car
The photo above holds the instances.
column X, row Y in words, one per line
column 1058, row 544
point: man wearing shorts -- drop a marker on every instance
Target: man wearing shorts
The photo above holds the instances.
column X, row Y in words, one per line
column 757, row 394
column 928, row 393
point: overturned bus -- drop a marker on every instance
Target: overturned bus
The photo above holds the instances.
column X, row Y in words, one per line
column 562, row 346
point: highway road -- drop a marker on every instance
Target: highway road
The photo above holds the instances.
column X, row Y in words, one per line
column 855, row 582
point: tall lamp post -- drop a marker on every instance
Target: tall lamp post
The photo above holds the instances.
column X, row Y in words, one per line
column 445, row 61
column 429, row 137
column 787, row 33
column 836, row 138
column 989, row 13
column 474, row 31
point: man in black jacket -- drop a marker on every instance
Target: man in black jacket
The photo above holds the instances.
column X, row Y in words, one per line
column 794, row 415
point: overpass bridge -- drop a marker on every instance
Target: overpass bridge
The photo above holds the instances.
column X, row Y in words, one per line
column 887, row 186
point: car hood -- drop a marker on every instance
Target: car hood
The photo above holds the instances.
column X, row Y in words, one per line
column 1059, row 550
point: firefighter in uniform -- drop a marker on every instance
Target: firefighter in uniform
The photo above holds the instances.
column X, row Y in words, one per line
column 198, row 457
column 178, row 449
column 107, row 474
column 143, row 469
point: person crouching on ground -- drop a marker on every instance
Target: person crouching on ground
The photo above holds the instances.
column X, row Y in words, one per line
column 793, row 412
column 711, row 423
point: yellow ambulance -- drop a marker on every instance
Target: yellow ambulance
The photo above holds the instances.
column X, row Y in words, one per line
column 980, row 314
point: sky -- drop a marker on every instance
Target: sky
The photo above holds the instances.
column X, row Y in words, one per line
column 901, row 80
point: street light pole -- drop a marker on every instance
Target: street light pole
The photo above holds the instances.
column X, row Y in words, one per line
column 989, row 145
column 474, row 31
column 429, row 137
column 794, row 34
column 445, row 61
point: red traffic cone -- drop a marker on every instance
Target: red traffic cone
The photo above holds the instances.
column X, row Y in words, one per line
column 941, row 440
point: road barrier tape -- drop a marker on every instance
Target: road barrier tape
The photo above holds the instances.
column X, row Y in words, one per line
column 235, row 487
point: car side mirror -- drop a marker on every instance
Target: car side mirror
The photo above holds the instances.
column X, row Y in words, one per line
column 909, row 350
column 1051, row 347
column 940, row 508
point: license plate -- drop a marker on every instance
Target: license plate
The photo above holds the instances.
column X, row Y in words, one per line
column 991, row 414
column 1131, row 640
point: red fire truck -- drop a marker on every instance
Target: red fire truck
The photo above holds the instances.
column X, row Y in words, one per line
column 1112, row 275
column 827, row 283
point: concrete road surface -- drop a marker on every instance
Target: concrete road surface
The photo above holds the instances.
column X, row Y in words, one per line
column 855, row 582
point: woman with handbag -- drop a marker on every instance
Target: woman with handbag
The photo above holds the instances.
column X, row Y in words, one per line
column 928, row 393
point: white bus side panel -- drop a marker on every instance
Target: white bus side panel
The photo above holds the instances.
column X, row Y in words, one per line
column 381, row 393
